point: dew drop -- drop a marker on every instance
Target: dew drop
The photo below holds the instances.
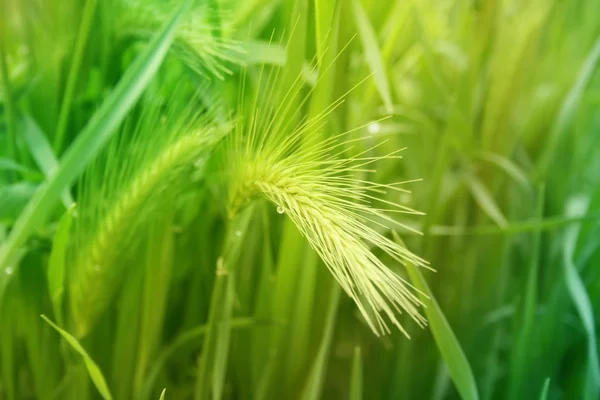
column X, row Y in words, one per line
column 238, row 233
column 9, row 270
column 375, row 127
column 280, row 210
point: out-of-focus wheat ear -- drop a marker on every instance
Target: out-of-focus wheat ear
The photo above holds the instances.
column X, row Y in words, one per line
column 139, row 177
column 200, row 41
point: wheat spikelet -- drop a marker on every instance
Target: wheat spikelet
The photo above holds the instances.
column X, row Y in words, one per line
column 332, row 209
column 142, row 179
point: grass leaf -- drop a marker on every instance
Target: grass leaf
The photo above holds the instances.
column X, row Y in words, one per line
column 42, row 153
column 579, row 296
column 56, row 263
column 13, row 198
column 486, row 201
column 447, row 343
column 10, row 165
column 545, row 390
column 373, row 55
column 522, row 342
column 93, row 369
column 356, row 381
column 569, row 107
column 507, row 166
column 316, row 377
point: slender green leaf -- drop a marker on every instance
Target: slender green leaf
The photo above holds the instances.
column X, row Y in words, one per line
column 579, row 296
column 10, row 165
column 324, row 20
column 182, row 340
column 522, row 346
column 517, row 227
column 8, row 102
column 569, row 107
column 259, row 52
column 486, row 201
column 373, row 55
column 42, row 153
column 316, row 377
column 93, row 369
column 56, row 263
column 447, row 343
column 162, row 395
column 80, row 44
column 545, row 390
column 356, row 382
column 14, row 198
column 212, row 365
column 507, row 166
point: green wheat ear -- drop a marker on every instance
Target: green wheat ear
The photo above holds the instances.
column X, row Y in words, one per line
column 326, row 196
column 139, row 175
column 199, row 41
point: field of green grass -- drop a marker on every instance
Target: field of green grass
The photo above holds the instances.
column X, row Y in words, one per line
column 299, row 199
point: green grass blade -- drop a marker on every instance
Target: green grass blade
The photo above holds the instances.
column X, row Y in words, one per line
column 447, row 343
column 42, row 153
column 91, row 140
column 372, row 53
column 521, row 349
column 295, row 55
column 569, row 107
column 182, row 340
column 65, row 109
column 356, row 382
column 213, row 360
column 13, row 199
column 324, row 13
column 93, row 370
column 486, row 201
column 580, row 297
column 316, row 378
column 545, row 390
column 10, row 165
column 8, row 102
column 509, row 167
column 56, row 263
column 517, row 227
column 158, row 267
column 211, row 367
column 162, row 395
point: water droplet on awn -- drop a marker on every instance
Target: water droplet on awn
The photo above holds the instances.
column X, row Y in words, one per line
column 280, row 210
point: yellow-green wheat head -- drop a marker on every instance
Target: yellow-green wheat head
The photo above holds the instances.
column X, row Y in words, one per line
column 327, row 194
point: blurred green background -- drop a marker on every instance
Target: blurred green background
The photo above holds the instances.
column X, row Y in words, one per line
column 498, row 104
